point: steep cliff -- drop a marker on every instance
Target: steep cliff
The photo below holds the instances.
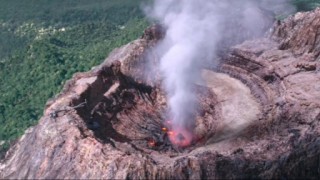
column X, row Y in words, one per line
column 258, row 117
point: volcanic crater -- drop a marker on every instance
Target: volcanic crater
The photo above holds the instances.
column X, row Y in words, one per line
column 257, row 117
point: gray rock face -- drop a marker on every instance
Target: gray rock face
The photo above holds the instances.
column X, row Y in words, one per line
column 258, row 117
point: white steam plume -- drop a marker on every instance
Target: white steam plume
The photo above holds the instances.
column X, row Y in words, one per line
column 194, row 31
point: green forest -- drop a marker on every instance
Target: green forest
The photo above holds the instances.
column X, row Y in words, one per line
column 44, row 42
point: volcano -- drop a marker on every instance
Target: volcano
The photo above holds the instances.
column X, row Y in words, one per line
column 258, row 116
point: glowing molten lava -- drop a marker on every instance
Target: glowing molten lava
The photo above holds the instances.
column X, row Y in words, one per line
column 152, row 143
column 180, row 137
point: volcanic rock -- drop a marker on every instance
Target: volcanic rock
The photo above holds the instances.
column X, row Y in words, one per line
column 258, row 116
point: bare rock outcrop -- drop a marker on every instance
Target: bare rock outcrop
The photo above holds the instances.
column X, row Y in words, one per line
column 258, row 117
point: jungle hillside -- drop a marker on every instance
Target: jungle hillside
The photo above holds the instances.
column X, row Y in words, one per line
column 44, row 42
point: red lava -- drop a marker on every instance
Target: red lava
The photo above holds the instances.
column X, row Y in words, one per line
column 180, row 137
column 152, row 143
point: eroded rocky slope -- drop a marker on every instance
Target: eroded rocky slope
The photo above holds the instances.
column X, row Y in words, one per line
column 258, row 117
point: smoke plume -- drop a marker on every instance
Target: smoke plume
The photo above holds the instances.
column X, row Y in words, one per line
column 196, row 30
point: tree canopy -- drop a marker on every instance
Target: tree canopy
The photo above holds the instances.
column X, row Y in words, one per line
column 43, row 43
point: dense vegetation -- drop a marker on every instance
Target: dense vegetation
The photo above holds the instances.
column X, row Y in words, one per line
column 44, row 42
column 306, row 5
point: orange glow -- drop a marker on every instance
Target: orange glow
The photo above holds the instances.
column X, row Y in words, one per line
column 152, row 143
column 164, row 129
column 180, row 137
column 170, row 133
